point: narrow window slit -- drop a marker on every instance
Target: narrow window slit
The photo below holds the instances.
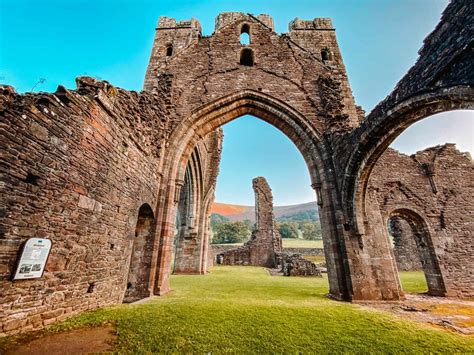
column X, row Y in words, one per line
column 246, row 57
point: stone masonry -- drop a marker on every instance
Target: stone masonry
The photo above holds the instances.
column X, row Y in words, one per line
column 265, row 243
column 297, row 265
column 404, row 245
column 99, row 170
column 195, row 199
column 432, row 193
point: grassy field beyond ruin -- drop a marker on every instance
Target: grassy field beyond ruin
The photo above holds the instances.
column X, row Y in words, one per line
column 243, row 309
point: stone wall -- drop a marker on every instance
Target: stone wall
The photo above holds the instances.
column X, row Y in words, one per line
column 296, row 265
column 432, row 192
column 404, row 245
column 265, row 241
column 221, row 248
column 196, row 197
column 76, row 167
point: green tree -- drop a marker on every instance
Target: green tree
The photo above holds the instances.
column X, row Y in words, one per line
column 311, row 230
column 288, row 229
column 249, row 224
column 230, row 232
column 217, row 218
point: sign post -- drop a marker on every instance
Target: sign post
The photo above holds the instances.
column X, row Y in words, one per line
column 33, row 259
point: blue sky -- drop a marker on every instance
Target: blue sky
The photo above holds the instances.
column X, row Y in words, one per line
column 111, row 39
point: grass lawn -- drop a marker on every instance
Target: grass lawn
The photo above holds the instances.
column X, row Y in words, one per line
column 413, row 281
column 302, row 243
column 243, row 309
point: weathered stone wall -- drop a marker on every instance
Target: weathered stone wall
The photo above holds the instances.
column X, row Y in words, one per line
column 265, row 241
column 404, row 245
column 76, row 167
column 436, row 184
column 220, row 248
column 290, row 65
column 441, row 80
column 296, row 265
column 197, row 195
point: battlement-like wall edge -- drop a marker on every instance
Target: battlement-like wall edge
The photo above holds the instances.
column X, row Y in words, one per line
column 319, row 23
column 226, row 18
column 171, row 23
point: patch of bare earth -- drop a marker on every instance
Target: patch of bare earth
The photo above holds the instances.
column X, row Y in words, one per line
column 80, row 341
column 449, row 313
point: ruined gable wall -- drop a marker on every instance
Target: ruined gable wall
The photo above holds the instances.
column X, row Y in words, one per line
column 204, row 69
column 441, row 80
column 402, row 181
column 76, row 167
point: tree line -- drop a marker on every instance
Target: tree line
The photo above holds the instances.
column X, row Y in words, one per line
column 225, row 231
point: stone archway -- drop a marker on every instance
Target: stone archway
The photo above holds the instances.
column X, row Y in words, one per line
column 441, row 80
column 385, row 129
column 209, row 118
column 120, row 148
column 138, row 280
column 425, row 249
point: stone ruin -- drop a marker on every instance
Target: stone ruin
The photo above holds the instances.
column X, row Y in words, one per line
column 296, row 265
column 265, row 244
column 264, row 248
column 93, row 169
column 427, row 200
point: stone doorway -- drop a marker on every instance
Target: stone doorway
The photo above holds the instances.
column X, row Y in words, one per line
column 140, row 261
column 422, row 250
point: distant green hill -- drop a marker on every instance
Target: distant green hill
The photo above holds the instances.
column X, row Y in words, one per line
column 302, row 212
column 216, row 217
column 308, row 215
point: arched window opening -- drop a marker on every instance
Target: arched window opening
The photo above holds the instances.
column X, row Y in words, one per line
column 169, row 50
column 245, row 35
column 246, row 57
column 325, row 55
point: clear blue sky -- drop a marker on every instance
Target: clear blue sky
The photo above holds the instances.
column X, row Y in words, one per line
column 111, row 39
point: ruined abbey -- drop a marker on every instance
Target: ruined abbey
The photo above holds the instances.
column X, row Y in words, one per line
column 111, row 176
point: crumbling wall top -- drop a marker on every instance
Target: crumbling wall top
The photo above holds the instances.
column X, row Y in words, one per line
column 319, row 23
column 226, row 18
column 171, row 23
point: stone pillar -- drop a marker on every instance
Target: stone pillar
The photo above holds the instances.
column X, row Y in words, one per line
column 265, row 242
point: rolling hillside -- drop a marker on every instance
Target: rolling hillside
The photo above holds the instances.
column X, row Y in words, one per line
column 292, row 212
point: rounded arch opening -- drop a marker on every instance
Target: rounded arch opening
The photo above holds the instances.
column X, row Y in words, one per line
column 141, row 246
column 413, row 249
column 386, row 128
column 245, row 35
column 169, row 50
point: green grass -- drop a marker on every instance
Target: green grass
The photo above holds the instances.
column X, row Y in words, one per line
column 302, row 243
column 413, row 281
column 315, row 258
column 244, row 310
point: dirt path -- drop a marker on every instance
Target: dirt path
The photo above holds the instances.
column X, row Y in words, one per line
column 80, row 341
column 450, row 313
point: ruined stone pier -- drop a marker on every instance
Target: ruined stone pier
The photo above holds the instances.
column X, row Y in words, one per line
column 265, row 242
